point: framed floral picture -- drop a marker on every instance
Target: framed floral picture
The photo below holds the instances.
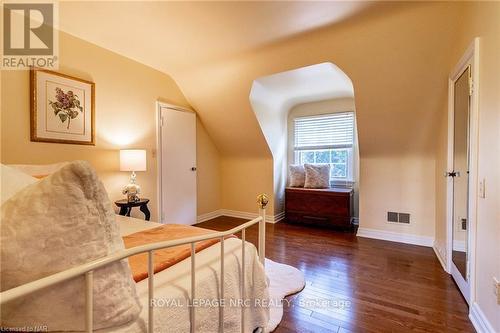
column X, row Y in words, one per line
column 62, row 108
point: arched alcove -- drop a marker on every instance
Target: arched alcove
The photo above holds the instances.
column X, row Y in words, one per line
column 317, row 89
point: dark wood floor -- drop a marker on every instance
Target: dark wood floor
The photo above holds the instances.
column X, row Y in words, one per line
column 387, row 287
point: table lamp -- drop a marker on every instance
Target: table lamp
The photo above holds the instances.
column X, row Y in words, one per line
column 132, row 160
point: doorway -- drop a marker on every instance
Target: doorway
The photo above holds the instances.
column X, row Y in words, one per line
column 462, row 169
column 176, row 164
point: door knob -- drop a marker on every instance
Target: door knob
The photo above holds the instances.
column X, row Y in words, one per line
column 451, row 174
column 193, row 169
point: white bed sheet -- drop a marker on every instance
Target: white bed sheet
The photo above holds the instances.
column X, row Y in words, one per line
column 129, row 225
column 173, row 287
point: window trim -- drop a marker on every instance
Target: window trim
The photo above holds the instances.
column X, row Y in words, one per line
column 349, row 181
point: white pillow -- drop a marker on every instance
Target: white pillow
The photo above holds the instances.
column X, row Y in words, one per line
column 38, row 170
column 297, row 175
column 317, row 175
column 63, row 221
column 13, row 181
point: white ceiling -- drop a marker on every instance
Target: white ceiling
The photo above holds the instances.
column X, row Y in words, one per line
column 307, row 84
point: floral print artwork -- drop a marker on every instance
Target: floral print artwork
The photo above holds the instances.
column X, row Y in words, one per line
column 66, row 106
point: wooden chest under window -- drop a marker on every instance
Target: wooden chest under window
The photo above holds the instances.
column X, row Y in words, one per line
column 326, row 207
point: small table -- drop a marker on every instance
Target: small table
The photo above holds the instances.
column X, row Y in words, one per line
column 126, row 207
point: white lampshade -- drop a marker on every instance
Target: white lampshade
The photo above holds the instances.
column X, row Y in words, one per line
column 133, row 160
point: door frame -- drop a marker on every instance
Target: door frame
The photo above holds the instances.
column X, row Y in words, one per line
column 159, row 157
column 469, row 58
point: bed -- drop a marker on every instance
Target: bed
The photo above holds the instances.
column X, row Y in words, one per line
column 201, row 293
column 174, row 284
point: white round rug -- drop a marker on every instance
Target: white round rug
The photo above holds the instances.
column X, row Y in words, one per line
column 284, row 280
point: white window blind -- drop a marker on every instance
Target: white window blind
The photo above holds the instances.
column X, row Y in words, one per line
column 330, row 131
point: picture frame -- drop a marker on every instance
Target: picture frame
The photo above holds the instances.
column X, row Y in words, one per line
column 62, row 108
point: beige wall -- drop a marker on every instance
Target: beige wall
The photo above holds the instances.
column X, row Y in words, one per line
column 208, row 172
column 480, row 19
column 385, row 187
column 271, row 115
column 440, row 185
column 125, row 93
column 243, row 179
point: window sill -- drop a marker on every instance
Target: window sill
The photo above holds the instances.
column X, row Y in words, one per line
column 342, row 183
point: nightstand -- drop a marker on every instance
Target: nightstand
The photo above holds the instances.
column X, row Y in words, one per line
column 126, row 207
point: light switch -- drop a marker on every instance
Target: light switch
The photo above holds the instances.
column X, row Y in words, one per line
column 482, row 188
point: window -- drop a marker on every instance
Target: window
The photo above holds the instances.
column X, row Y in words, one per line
column 326, row 139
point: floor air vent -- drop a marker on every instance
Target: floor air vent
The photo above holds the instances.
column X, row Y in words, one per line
column 392, row 216
column 395, row 217
column 404, row 218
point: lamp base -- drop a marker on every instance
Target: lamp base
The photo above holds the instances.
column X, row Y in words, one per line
column 132, row 190
column 133, row 198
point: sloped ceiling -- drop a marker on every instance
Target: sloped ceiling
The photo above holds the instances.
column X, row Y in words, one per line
column 393, row 52
column 196, row 42
column 173, row 36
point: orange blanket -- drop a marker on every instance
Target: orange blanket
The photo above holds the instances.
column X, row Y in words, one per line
column 164, row 258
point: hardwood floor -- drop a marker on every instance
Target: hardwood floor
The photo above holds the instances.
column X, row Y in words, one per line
column 385, row 286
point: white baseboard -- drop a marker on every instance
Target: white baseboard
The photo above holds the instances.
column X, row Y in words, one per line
column 238, row 214
column 395, row 237
column 459, row 246
column 278, row 217
column 479, row 320
column 440, row 257
column 208, row 216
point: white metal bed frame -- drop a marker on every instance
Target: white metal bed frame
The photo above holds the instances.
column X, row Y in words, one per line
column 88, row 269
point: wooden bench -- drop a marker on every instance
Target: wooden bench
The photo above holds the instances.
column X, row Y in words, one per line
column 332, row 207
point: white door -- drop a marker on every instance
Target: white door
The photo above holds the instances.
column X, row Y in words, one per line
column 460, row 181
column 177, row 147
column 462, row 171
